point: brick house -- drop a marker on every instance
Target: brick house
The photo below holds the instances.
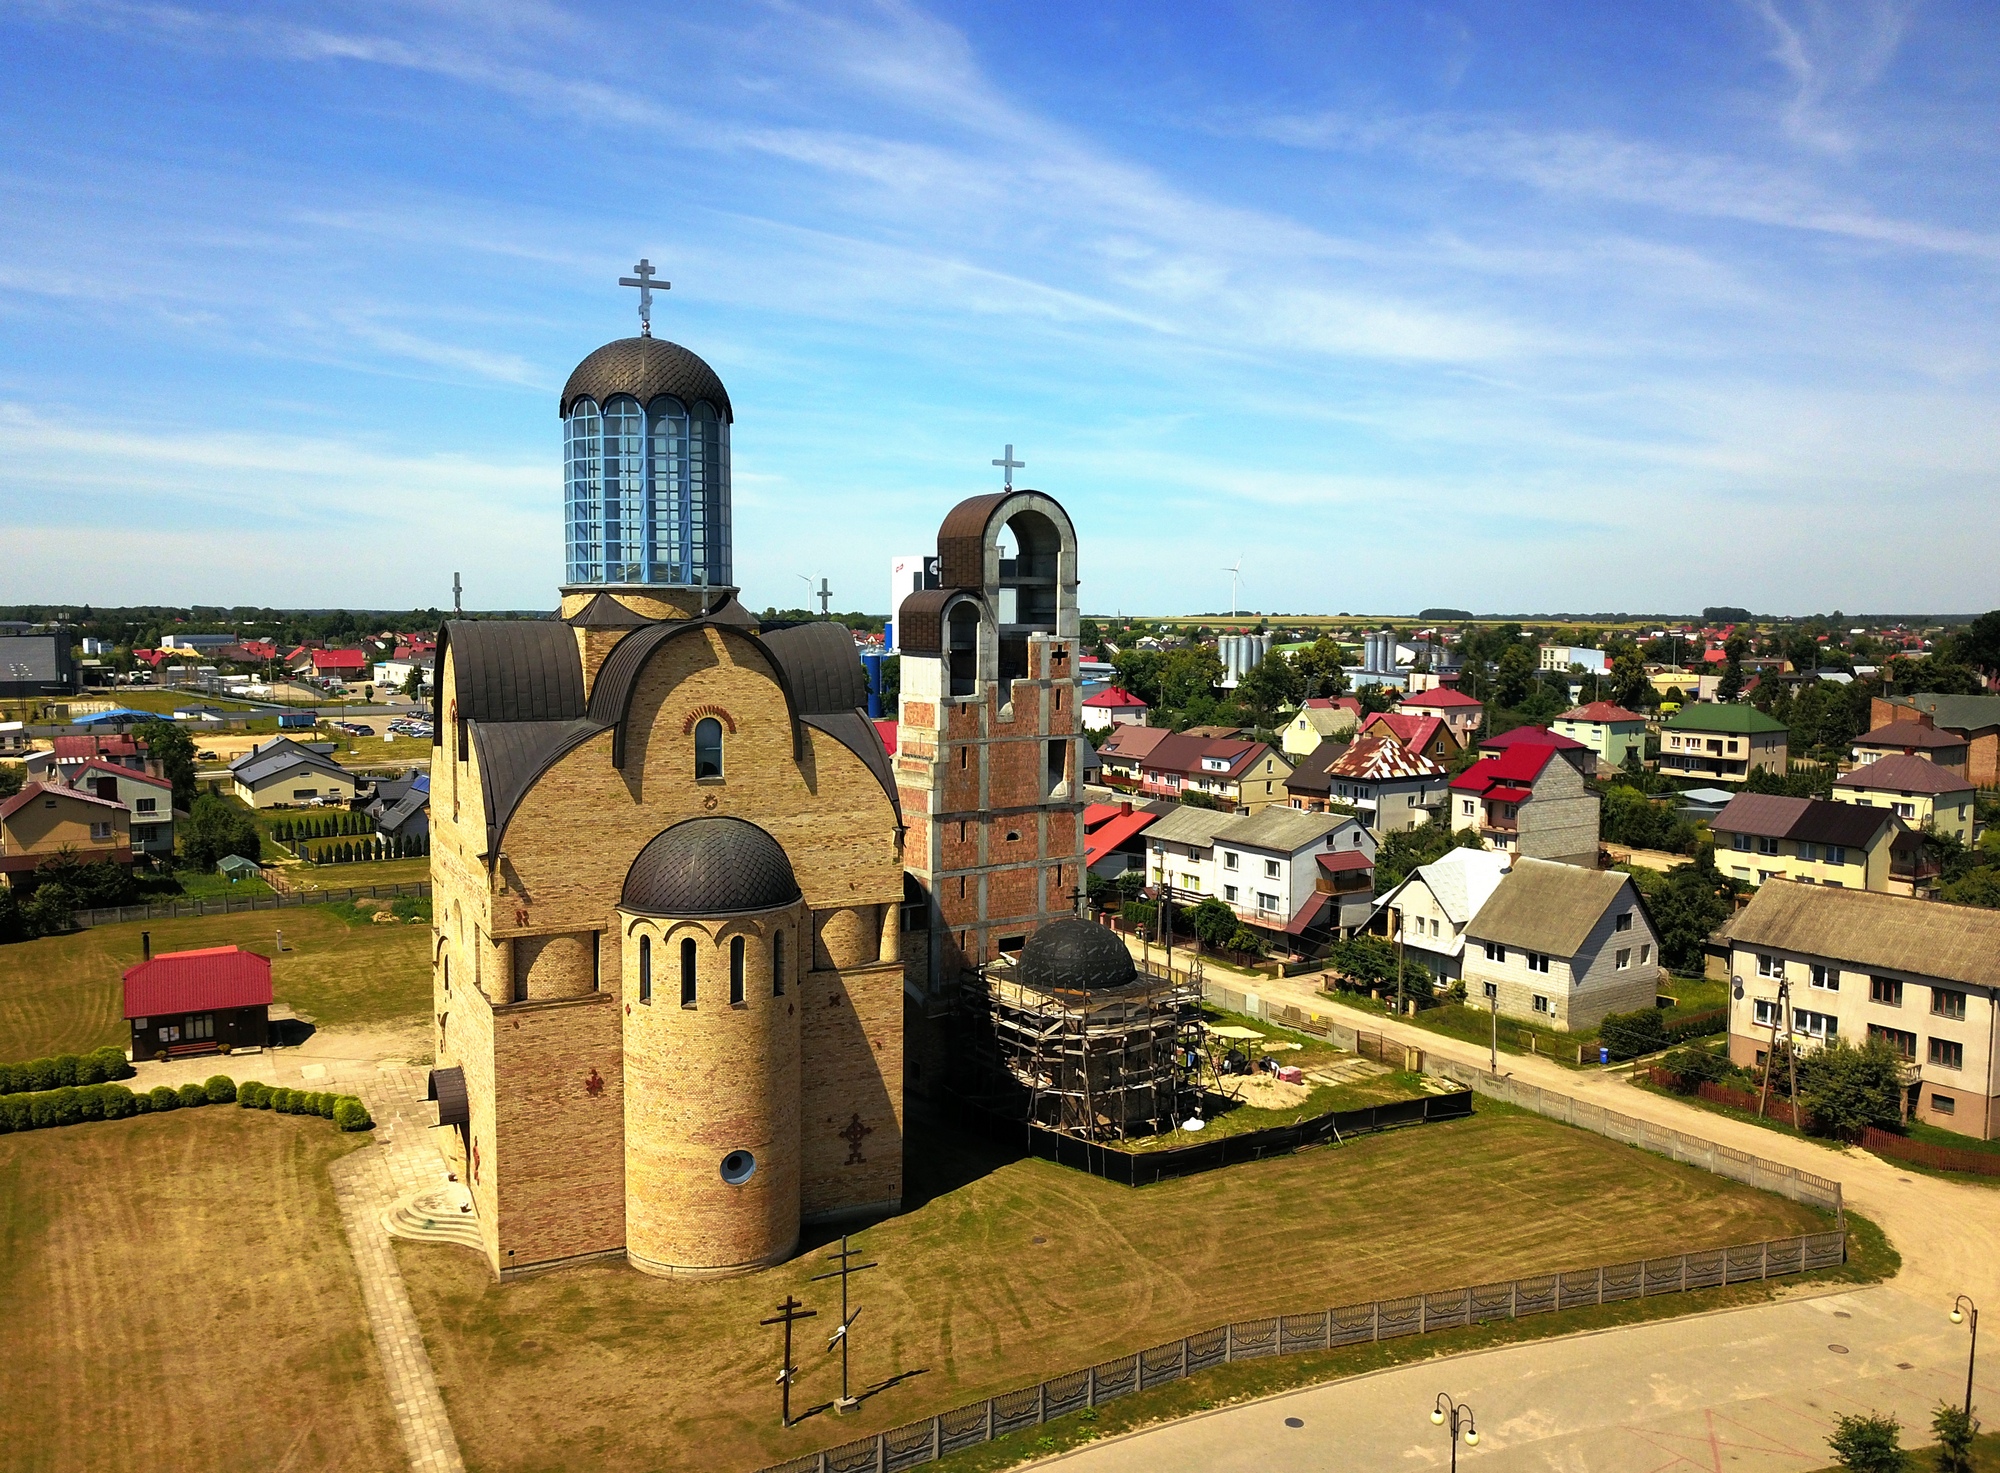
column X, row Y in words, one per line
column 1529, row 800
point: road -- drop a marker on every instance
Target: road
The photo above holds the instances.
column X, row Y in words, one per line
column 1752, row 1389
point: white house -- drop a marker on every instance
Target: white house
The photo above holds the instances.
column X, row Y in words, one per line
column 1266, row 866
column 1562, row 946
column 1430, row 910
column 1113, row 707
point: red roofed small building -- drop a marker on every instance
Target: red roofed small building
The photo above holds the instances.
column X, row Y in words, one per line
column 1426, row 736
column 340, row 664
column 1113, row 707
column 1457, row 710
column 1112, row 840
column 195, row 1002
column 1574, row 752
column 1524, row 801
column 1608, row 729
column 1239, row 775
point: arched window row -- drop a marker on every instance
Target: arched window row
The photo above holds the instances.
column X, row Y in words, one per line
column 690, row 967
column 646, row 492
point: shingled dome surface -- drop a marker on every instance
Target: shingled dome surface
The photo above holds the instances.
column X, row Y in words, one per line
column 710, row 867
column 1075, row 955
column 645, row 368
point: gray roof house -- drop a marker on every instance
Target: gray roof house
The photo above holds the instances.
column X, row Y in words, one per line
column 400, row 807
column 1437, row 901
column 283, row 771
column 1563, row 946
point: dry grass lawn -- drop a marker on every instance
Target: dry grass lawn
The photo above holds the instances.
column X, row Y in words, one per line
column 1004, row 1271
column 178, row 1295
column 62, row 993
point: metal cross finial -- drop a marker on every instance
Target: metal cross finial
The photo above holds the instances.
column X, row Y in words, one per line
column 646, row 282
column 1008, row 465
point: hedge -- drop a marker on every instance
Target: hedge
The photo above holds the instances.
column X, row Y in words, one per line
column 345, row 1111
column 60, row 1070
column 72, row 1104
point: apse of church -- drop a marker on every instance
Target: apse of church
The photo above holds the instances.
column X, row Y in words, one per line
column 667, row 876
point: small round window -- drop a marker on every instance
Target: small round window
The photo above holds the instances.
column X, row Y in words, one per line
column 737, row 1166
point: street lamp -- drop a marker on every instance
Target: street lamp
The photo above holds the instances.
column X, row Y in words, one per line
column 1461, row 1421
column 1958, row 1313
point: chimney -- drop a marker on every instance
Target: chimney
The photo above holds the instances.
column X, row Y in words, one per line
column 1125, row 807
column 145, row 946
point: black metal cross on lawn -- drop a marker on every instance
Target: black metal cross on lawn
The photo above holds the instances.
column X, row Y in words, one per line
column 1008, row 465
column 840, row 1337
column 789, row 1313
column 646, row 282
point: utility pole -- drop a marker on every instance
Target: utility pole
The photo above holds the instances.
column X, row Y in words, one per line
column 789, row 1313
column 1493, row 999
column 1780, row 1012
column 840, row 1336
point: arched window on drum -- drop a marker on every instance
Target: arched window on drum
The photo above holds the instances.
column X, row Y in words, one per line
column 707, row 748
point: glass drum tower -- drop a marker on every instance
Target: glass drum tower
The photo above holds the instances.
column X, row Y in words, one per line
column 645, row 468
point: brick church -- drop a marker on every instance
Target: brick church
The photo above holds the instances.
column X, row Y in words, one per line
column 687, row 907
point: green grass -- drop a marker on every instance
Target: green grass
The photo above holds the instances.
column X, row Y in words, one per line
column 62, row 993
column 197, row 886
column 1002, row 1271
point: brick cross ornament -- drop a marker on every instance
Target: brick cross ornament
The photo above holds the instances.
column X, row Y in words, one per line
column 854, row 1134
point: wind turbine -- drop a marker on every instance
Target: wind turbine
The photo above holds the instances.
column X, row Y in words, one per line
column 1234, row 571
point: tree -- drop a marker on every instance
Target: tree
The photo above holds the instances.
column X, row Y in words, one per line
column 217, row 828
column 1694, row 901
column 169, row 744
column 1320, row 670
column 1273, row 684
column 1955, row 1428
column 1189, row 675
column 1373, row 698
column 1936, row 674
column 12, row 775
column 1212, row 921
column 1870, row 1444
column 1629, row 682
column 48, row 911
column 1848, row 1088
column 1979, row 645
column 1734, row 649
column 1139, row 671
column 1980, row 887
column 413, row 683
column 1513, row 675
column 1406, row 849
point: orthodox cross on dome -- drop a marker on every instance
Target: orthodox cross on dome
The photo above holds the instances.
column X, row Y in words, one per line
column 1008, row 465
column 646, row 282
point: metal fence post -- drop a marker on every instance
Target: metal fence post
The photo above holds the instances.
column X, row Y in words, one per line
column 989, row 1420
column 1600, row 1284
column 1041, row 1403
column 1684, row 1274
column 1513, row 1299
column 1090, row 1387
column 937, row 1438
column 881, row 1452
column 1764, row 1259
column 1374, row 1319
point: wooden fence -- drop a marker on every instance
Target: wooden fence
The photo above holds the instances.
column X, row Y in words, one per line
column 1776, row 1107
column 1943, row 1158
column 929, row 1438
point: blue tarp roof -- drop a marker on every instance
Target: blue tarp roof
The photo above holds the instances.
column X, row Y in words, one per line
column 122, row 713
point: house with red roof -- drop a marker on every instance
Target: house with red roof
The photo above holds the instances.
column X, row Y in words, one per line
column 1113, row 707
column 1386, row 786
column 1112, row 837
column 1527, row 799
column 1608, row 729
column 1234, row 773
column 1573, row 751
column 1457, row 710
column 1320, row 719
column 149, row 799
column 198, row 1002
column 1426, row 736
column 45, row 820
column 1125, row 749
column 332, row 664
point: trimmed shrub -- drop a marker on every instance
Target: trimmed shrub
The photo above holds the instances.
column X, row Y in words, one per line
column 350, row 1114
column 252, row 1094
column 36, row 1076
column 118, row 1101
column 219, row 1088
column 323, row 1105
column 163, row 1098
column 192, row 1094
column 1698, row 1066
column 1629, row 1035
column 142, row 1104
column 281, row 1100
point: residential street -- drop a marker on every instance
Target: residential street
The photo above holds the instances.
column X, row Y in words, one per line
column 1752, row 1389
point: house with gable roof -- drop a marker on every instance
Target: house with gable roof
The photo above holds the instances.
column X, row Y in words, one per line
column 1920, row 738
column 1430, row 910
column 1320, row 719
column 1235, row 773
column 282, row 772
column 1457, row 710
column 149, row 799
column 1563, row 946
column 44, row 820
column 1113, row 707
column 1608, row 729
column 1764, row 836
column 1528, row 799
column 1974, row 719
column 1920, row 793
column 1389, row 788
column 1723, row 743
column 1427, row 736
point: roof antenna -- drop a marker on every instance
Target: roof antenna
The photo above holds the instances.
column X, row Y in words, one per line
column 457, row 595
column 704, row 593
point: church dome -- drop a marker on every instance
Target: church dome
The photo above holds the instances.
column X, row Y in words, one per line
column 1075, row 955
column 645, row 368
column 705, row 867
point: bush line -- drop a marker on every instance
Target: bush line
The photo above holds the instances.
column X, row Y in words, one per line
column 61, row 1070
column 74, row 1104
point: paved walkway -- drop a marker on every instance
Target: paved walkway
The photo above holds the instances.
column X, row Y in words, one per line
column 398, row 1161
column 1754, row 1389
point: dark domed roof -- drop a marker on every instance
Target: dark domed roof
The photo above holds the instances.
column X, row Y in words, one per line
column 645, row 368
column 1075, row 955
column 709, row 867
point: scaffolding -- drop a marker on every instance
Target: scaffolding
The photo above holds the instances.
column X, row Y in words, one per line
column 1107, row 1064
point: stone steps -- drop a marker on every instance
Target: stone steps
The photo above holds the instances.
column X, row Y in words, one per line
column 436, row 1214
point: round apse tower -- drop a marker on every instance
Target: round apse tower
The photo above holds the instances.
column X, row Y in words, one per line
column 712, row 921
column 645, row 469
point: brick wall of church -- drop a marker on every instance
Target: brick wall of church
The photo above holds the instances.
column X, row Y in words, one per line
column 851, row 1115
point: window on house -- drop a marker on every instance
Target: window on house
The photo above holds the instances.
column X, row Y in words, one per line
column 1492, row 989
column 1886, row 990
column 646, row 969
column 1434, row 926
column 1495, row 952
column 707, row 748
column 1809, row 852
column 1814, row 1025
column 1766, row 1013
column 1624, row 922
column 1645, row 953
column 777, row 964
column 1944, row 1105
column 1471, row 808
column 1905, row 810
column 1266, row 902
column 1905, row 1044
column 687, row 972
column 1767, row 845
column 100, row 831
column 1541, row 1003
column 1624, row 958
column 1945, row 1003
column 1270, row 869
column 1769, row 966
column 1835, row 854
column 1826, row 979
column 1229, row 893
column 1946, row 1054
column 148, row 805
column 1229, row 859
column 1537, row 962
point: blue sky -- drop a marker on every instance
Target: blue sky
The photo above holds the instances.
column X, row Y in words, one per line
column 1570, row 307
